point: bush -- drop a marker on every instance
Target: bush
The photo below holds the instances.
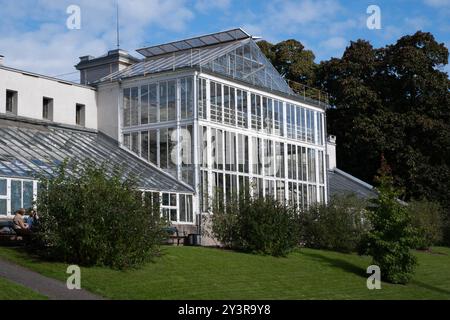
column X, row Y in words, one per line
column 263, row 226
column 92, row 218
column 392, row 237
column 339, row 226
column 427, row 219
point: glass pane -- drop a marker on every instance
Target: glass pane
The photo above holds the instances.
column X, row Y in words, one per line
column 165, row 199
column 173, row 200
column 126, row 107
column 3, row 189
column 153, row 93
column 144, row 145
column 154, row 146
column 163, row 101
column 144, row 105
column 134, row 106
column 28, row 195
column 182, row 208
column 16, row 195
column 172, row 101
column 173, row 215
column 3, row 208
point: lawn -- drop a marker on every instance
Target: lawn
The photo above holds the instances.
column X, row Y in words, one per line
column 12, row 291
column 202, row 273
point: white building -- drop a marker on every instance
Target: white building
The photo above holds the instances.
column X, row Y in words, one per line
column 201, row 117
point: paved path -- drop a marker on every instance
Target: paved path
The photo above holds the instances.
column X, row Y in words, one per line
column 51, row 288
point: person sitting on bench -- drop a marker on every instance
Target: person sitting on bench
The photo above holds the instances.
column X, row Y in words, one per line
column 20, row 227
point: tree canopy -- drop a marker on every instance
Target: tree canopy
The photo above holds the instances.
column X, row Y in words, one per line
column 392, row 101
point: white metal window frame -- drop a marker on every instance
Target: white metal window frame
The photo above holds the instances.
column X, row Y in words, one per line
column 8, row 196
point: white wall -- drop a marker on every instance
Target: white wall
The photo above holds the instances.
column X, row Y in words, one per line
column 108, row 109
column 31, row 90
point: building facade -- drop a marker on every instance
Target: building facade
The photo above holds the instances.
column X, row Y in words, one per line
column 213, row 114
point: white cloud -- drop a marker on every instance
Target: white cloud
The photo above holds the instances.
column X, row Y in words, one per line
column 438, row 3
column 334, row 43
column 416, row 23
column 49, row 47
column 207, row 5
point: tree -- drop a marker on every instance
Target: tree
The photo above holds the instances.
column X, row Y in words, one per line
column 393, row 101
column 392, row 237
column 93, row 216
column 291, row 60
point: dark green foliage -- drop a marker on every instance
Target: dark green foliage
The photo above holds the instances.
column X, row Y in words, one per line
column 262, row 226
column 426, row 218
column 393, row 101
column 291, row 60
column 92, row 218
column 392, row 237
column 339, row 226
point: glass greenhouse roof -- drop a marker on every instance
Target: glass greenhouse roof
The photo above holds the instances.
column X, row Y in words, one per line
column 193, row 43
column 29, row 150
column 232, row 53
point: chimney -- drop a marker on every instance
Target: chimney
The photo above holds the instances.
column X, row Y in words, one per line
column 2, row 58
column 93, row 69
column 331, row 153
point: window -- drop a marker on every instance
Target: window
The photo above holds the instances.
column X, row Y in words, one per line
column 153, row 103
column 290, row 118
column 186, row 208
column 203, row 147
column 11, row 102
column 201, row 98
column 230, row 151
column 134, row 106
column 169, row 206
column 267, row 115
column 135, row 143
column 16, row 195
column 229, row 113
column 187, row 98
column 204, row 198
column 187, row 154
column 145, row 108
column 172, row 100
column 312, row 165
column 80, row 115
column 47, row 109
column 256, row 112
column 145, row 145
column 257, row 156
column 126, row 108
column 163, row 102
column 3, row 198
column 243, row 153
column 242, row 106
column 153, row 146
column 279, row 149
column 278, row 118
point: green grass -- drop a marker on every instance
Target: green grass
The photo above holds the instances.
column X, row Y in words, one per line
column 202, row 273
column 12, row 291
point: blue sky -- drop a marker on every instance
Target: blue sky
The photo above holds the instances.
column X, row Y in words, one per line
column 34, row 36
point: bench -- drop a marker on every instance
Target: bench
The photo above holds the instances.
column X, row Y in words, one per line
column 7, row 233
column 176, row 235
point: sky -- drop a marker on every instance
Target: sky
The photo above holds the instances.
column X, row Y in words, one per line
column 34, row 35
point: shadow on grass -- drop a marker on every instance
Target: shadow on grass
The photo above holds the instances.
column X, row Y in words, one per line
column 338, row 263
column 430, row 287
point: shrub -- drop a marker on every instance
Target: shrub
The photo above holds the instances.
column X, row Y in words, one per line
column 427, row 219
column 392, row 237
column 93, row 218
column 339, row 226
column 263, row 226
